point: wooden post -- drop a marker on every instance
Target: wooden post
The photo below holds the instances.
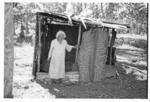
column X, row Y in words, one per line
column 78, row 43
column 35, row 58
column 37, row 47
column 112, row 44
column 39, row 44
column 75, row 65
column 8, row 50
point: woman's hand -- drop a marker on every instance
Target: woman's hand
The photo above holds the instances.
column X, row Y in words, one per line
column 76, row 46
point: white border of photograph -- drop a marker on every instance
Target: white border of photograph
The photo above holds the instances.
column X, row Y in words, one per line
column 60, row 100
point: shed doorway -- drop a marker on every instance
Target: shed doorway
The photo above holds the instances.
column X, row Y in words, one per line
column 46, row 38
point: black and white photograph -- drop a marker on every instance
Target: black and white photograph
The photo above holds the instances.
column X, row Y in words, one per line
column 75, row 50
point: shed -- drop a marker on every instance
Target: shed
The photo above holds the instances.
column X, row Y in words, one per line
column 87, row 33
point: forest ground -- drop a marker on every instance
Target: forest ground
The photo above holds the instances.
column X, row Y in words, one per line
column 131, row 65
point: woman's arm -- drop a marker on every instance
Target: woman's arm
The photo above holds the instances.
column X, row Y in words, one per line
column 51, row 49
column 69, row 47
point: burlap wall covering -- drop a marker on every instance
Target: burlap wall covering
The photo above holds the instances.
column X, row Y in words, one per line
column 92, row 54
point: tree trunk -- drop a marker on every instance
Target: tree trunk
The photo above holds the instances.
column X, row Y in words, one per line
column 14, row 25
column 8, row 51
column 26, row 20
column 102, row 11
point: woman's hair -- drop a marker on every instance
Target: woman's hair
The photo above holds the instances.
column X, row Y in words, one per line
column 60, row 32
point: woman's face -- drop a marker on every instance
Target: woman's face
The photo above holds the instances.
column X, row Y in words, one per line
column 60, row 38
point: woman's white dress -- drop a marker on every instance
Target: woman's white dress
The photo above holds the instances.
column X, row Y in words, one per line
column 57, row 62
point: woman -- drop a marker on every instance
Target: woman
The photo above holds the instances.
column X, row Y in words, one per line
column 57, row 56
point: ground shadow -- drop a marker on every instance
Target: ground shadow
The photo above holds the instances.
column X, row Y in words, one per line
column 126, row 87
